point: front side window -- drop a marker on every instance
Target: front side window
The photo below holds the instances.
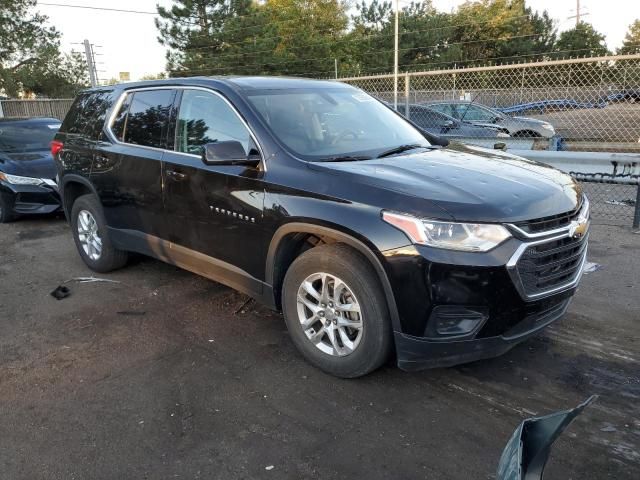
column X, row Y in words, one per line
column 474, row 113
column 320, row 123
column 205, row 117
column 144, row 117
column 427, row 118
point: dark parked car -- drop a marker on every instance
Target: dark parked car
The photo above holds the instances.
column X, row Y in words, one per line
column 27, row 170
column 372, row 236
column 440, row 124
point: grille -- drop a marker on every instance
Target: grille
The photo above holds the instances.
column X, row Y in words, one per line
column 550, row 265
column 549, row 223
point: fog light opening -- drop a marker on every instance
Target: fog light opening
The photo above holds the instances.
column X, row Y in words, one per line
column 449, row 322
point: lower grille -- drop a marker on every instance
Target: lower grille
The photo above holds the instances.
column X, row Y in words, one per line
column 548, row 266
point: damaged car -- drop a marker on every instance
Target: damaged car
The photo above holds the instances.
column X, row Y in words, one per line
column 373, row 237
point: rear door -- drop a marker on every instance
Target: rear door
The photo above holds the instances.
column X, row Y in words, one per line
column 127, row 170
column 213, row 210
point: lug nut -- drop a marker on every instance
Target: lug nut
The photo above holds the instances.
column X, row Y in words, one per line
column 321, row 314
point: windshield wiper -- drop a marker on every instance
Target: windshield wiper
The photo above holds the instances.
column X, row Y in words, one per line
column 400, row 149
column 346, row 158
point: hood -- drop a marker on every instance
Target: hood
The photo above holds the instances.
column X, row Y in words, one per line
column 529, row 120
column 37, row 164
column 470, row 183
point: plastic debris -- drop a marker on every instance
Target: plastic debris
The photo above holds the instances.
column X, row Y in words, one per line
column 270, row 467
column 61, row 292
column 628, row 202
column 590, row 267
column 91, row 280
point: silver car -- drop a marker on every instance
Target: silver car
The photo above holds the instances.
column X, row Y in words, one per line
column 487, row 116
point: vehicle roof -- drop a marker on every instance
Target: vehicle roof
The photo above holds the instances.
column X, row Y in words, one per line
column 435, row 102
column 29, row 120
column 235, row 82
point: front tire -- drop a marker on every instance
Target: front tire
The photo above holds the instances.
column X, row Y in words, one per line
column 336, row 312
column 91, row 237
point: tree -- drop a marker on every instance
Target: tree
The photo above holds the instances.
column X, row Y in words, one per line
column 631, row 43
column 30, row 58
column 583, row 40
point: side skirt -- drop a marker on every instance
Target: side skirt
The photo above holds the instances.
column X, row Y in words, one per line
column 193, row 261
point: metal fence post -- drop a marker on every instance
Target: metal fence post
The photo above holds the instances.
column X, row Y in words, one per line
column 406, row 95
column 636, row 213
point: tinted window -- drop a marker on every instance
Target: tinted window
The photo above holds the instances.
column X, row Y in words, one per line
column 27, row 136
column 76, row 119
column 428, row 118
column 148, row 118
column 206, row 118
column 98, row 104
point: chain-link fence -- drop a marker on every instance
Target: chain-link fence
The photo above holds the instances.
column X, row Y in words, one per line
column 584, row 104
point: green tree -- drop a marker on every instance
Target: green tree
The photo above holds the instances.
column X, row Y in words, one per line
column 631, row 43
column 583, row 40
column 30, row 58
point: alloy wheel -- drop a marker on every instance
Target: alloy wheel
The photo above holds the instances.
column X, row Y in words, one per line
column 330, row 314
column 88, row 235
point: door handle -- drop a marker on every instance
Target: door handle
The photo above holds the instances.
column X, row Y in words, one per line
column 176, row 176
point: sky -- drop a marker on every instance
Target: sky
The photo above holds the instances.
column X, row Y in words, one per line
column 127, row 42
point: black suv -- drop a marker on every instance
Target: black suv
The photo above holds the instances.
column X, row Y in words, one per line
column 315, row 198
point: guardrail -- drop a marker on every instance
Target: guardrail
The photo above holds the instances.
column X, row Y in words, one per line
column 622, row 169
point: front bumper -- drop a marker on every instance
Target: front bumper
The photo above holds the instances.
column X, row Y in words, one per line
column 416, row 353
column 32, row 199
column 500, row 290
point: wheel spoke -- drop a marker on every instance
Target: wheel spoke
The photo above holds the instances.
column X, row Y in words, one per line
column 325, row 286
column 345, row 322
column 331, row 333
column 310, row 321
column 308, row 287
column 307, row 303
column 316, row 337
column 348, row 307
column 346, row 341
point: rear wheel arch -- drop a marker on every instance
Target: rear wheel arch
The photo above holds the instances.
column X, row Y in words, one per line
column 292, row 239
column 73, row 188
column 526, row 134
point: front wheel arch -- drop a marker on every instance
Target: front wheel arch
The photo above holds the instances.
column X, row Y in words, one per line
column 284, row 248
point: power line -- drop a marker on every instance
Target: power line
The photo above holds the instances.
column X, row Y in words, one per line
column 86, row 7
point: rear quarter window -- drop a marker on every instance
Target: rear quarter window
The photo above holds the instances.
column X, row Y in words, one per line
column 88, row 114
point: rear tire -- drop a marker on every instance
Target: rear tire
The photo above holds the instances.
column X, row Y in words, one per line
column 91, row 236
column 353, row 308
column 6, row 208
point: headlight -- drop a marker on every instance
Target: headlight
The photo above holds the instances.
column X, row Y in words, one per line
column 548, row 126
column 17, row 180
column 503, row 135
column 468, row 237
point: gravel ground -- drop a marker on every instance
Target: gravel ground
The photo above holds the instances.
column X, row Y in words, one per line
column 168, row 375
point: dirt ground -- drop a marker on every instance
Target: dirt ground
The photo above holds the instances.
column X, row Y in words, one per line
column 168, row 375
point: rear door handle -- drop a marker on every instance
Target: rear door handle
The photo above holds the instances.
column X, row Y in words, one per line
column 176, row 176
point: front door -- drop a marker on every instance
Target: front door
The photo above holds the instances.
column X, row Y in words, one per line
column 213, row 210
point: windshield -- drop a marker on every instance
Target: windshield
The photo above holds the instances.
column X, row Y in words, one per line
column 321, row 124
column 27, row 136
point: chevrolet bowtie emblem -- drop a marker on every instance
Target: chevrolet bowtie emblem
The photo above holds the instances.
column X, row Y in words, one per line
column 578, row 229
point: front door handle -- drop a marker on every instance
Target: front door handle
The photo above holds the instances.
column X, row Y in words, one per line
column 176, row 176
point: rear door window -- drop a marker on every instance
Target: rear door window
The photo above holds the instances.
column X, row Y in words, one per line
column 147, row 119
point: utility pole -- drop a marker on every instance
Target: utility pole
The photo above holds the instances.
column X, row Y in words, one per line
column 395, row 63
column 579, row 13
column 91, row 65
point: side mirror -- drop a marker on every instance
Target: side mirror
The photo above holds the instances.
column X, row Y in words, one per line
column 449, row 124
column 228, row 152
column 500, row 146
